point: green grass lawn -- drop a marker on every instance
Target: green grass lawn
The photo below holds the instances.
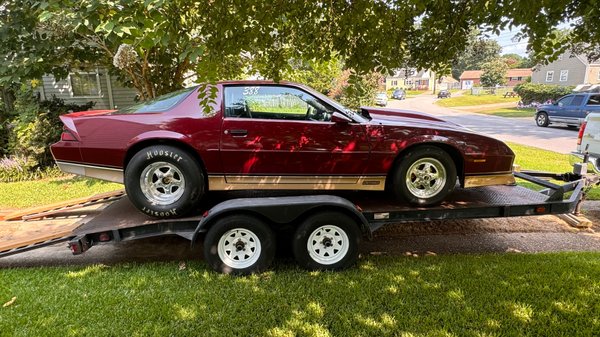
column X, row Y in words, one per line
column 509, row 112
column 46, row 191
column 413, row 93
column 468, row 99
column 451, row 295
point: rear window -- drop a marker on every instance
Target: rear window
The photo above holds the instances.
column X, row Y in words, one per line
column 158, row 104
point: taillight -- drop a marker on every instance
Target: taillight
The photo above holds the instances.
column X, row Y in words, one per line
column 581, row 131
column 67, row 136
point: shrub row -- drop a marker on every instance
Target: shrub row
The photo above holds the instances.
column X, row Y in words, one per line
column 535, row 92
column 17, row 168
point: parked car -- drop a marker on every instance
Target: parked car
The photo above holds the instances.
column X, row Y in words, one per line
column 381, row 99
column 570, row 109
column 259, row 135
column 399, row 94
column 444, row 94
column 589, row 140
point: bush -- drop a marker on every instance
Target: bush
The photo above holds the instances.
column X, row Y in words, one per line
column 19, row 168
column 535, row 92
column 37, row 126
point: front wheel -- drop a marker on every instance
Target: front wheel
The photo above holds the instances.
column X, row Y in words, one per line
column 327, row 241
column 425, row 176
column 239, row 244
column 542, row 119
column 164, row 181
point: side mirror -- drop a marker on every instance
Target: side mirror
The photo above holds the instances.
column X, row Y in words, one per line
column 338, row 118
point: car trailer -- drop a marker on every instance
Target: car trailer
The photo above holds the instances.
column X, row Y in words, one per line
column 240, row 234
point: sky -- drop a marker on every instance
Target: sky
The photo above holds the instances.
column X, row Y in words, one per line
column 505, row 39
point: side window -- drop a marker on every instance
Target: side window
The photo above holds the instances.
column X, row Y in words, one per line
column 565, row 101
column 577, row 100
column 594, row 100
column 274, row 102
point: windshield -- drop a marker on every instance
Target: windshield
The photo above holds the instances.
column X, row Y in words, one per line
column 381, row 96
column 158, row 104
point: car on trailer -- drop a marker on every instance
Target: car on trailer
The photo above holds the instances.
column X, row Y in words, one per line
column 260, row 135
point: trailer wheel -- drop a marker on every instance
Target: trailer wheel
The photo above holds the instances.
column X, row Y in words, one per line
column 239, row 244
column 327, row 241
column 425, row 176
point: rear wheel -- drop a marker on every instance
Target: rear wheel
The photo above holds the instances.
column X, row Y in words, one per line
column 327, row 241
column 239, row 244
column 164, row 181
column 541, row 119
column 424, row 176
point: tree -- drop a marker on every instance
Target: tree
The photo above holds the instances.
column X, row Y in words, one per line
column 512, row 60
column 319, row 75
column 494, row 73
column 477, row 52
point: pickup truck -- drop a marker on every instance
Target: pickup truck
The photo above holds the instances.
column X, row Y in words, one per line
column 570, row 109
column 588, row 141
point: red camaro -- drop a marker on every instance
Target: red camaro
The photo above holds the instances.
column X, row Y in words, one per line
column 262, row 135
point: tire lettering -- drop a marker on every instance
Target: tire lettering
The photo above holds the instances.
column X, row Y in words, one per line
column 156, row 152
column 160, row 152
column 149, row 155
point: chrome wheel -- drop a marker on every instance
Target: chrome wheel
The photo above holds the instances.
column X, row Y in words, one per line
column 239, row 248
column 162, row 183
column 426, row 178
column 328, row 244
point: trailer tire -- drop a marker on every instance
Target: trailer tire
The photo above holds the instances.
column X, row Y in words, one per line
column 239, row 245
column 424, row 176
column 327, row 241
column 177, row 172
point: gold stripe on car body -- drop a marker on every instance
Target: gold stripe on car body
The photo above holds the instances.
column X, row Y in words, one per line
column 488, row 180
column 235, row 182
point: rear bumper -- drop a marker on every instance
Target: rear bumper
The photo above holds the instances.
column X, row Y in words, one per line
column 99, row 172
column 592, row 164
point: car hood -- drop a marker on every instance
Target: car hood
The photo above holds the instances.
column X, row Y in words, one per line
column 399, row 117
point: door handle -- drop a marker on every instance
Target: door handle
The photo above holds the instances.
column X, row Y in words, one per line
column 238, row 132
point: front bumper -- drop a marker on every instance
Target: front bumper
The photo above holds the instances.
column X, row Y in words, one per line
column 592, row 164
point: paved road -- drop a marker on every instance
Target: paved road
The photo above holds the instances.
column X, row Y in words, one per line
column 517, row 130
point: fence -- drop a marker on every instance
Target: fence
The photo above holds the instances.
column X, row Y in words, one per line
column 491, row 90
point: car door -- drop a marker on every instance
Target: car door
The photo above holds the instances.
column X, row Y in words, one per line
column 560, row 111
column 574, row 110
column 282, row 135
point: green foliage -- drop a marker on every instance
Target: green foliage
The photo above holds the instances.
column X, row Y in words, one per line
column 17, row 168
column 318, row 75
column 535, row 92
column 494, row 73
column 353, row 90
column 476, row 52
column 37, row 126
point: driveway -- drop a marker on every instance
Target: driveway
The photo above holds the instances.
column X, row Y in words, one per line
column 516, row 130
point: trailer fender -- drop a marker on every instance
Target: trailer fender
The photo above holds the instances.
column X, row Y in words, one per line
column 281, row 210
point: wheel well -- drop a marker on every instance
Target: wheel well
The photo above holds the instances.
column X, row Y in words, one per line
column 181, row 145
column 454, row 153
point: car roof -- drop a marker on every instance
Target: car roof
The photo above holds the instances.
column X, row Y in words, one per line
column 256, row 82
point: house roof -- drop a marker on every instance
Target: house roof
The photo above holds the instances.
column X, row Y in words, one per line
column 519, row 72
column 471, row 74
column 475, row 74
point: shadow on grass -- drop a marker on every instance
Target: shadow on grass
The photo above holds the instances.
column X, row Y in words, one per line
column 478, row 295
column 70, row 180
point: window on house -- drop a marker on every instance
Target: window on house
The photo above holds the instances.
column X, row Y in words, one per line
column 599, row 75
column 394, row 82
column 85, row 84
column 564, row 75
column 549, row 76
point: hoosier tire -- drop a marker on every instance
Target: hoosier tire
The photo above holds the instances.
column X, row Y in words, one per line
column 164, row 181
column 327, row 241
column 240, row 245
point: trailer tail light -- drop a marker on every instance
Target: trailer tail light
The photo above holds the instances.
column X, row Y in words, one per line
column 581, row 132
column 75, row 248
column 103, row 237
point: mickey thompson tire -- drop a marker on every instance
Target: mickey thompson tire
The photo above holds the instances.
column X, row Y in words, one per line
column 164, row 181
column 424, row 176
